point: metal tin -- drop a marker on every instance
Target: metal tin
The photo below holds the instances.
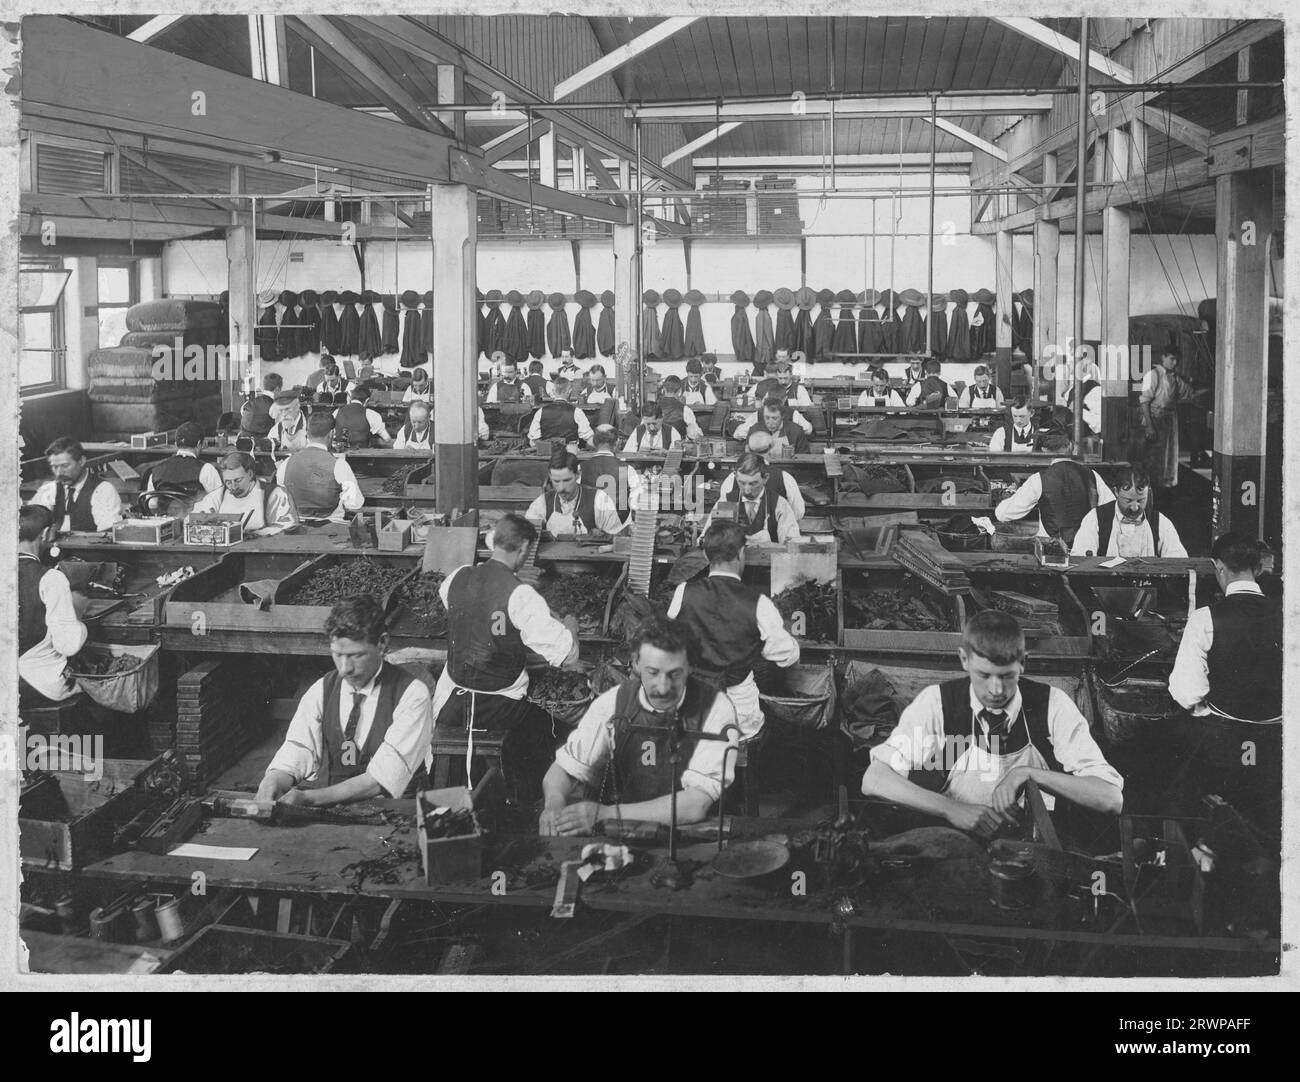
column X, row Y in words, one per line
column 170, row 925
column 146, row 927
column 1012, row 883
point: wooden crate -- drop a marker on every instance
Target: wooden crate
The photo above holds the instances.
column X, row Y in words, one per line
column 211, row 949
column 902, row 642
column 395, row 535
column 314, row 616
column 1075, row 640
column 210, row 599
column 156, row 530
column 449, row 860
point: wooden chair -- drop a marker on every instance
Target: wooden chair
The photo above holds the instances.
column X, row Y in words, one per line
column 449, row 745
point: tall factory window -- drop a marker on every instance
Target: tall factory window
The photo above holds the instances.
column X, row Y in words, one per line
column 118, row 290
column 40, row 325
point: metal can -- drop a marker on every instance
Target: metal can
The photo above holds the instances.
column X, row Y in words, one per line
column 1012, row 883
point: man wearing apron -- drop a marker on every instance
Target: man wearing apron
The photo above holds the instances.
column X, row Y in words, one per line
column 568, row 507
column 1021, row 435
column 493, row 620
column 617, row 763
column 881, row 395
column 764, row 515
column 964, row 749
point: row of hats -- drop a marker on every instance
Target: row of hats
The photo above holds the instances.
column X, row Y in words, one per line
column 804, row 298
column 309, row 298
column 536, row 298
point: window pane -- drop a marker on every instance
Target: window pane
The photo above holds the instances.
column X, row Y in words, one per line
column 114, row 285
column 112, row 326
column 36, row 330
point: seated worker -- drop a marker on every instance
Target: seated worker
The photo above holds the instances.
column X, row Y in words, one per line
column 1025, row 435
column 881, row 395
column 255, row 416
column 493, row 620
column 572, row 377
column 963, row 749
column 570, row 508
column 77, row 499
column 184, row 471
column 289, row 433
column 536, row 381
column 696, row 390
column 559, row 419
column 913, row 374
column 981, row 395
column 357, row 427
column 605, row 471
column 417, row 431
column 763, row 516
column 735, row 624
column 368, row 374
column 779, row 482
column 331, row 385
column 360, row 731
column 1130, row 525
column 265, row 509
column 786, row 430
column 315, row 379
column 320, row 483
column 709, row 367
column 597, row 390
column 1229, row 662
column 654, row 433
column 420, row 388
column 510, row 389
column 616, row 764
column 49, row 630
column 779, row 383
column 930, row 392
column 1063, row 494
column 676, row 410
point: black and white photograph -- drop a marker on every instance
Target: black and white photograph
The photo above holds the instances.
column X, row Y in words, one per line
column 720, row 498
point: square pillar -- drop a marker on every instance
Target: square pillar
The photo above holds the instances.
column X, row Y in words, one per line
column 1117, row 373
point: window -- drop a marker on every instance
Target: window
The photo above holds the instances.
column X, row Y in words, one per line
column 40, row 325
column 117, row 292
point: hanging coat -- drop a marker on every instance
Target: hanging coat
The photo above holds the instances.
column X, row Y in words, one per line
column 369, row 341
column 764, row 338
column 912, row 330
column 650, row 332
column 558, row 338
column 823, row 335
column 514, row 342
column 959, row 335
column 412, row 339
column 426, row 330
column 694, row 332
column 496, row 328
column 846, row 332
column 939, row 333
column 267, row 335
column 481, row 340
column 329, row 330
column 803, row 334
column 784, row 337
column 536, row 333
column 1022, row 331
column 888, row 332
column 869, row 331
column 309, row 336
column 742, row 342
column 349, row 330
column 584, row 336
column 289, row 342
column 605, row 332
column 390, row 336
column 983, row 339
column 672, row 338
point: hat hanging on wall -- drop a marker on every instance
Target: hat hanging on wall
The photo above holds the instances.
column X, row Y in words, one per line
column 825, row 297
column 983, row 296
column 309, row 297
column 494, row 296
column 288, row 298
column 740, row 299
column 650, row 298
column 330, row 296
column 672, row 297
column 348, row 297
column 586, row 298
column 763, row 298
column 694, row 297
column 266, row 298
column 556, row 301
column 805, row 298
column 913, row 298
column 535, row 299
column 938, row 302
column 515, row 299
column 410, row 298
column 958, row 296
column 607, row 298
column 869, row 298
column 784, row 297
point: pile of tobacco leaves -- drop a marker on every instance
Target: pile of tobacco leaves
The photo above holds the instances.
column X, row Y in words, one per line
column 446, row 823
column 890, row 610
column 332, row 584
column 580, row 596
column 816, row 600
column 559, row 686
column 395, row 482
column 421, row 599
column 93, row 664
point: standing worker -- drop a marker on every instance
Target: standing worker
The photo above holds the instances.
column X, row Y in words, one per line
column 1162, row 391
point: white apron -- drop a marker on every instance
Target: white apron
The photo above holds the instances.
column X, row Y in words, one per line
column 977, row 771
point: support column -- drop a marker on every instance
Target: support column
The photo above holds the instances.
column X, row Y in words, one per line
column 627, row 306
column 1244, row 217
column 242, row 356
column 1117, row 373
column 546, row 158
column 451, row 91
column 150, row 278
column 1047, row 250
column 455, row 370
column 1003, row 309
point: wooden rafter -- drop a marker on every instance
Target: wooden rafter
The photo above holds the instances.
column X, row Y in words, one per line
column 155, row 26
column 618, row 57
column 1044, row 35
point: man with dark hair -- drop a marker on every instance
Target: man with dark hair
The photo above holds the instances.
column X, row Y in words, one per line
column 675, row 410
column 510, row 389
column 535, row 381
column 359, row 732
column 654, row 433
column 355, row 426
column 778, row 383
column 559, row 419
column 184, row 472
column 617, row 762
column 568, row 507
column 764, row 515
column 331, row 383
column 255, row 417
column 980, row 395
column 1063, row 494
column 735, row 624
column 1229, row 662
column 931, row 391
column 320, row 483
column 963, row 749
column 597, row 390
column 317, row 378
column 881, row 395
column 696, row 391
column 420, row 388
column 1019, row 426
column 779, row 482
column 77, row 500
column 266, row 508
column 1163, row 390
column 787, row 427
column 605, row 471
column 1130, row 526
column 49, row 630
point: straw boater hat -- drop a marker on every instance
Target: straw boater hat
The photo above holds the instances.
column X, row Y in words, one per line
column 694, row 297
column 938, row 302
column 983, row 296
column 607, row 298
column 805, row 298
column 784, row 298
column 266, row 298
column 762, row 298
column 958, row 296
column 586, row 298
column 651, row 298
column 535, row 299
column 913, row 298
column 740, row 299
column 672, row 298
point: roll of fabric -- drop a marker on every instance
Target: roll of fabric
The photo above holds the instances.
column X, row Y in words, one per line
column 650, row 324
column 672, row 336
column 558, row 337
column 514, row 342
column 605, row 343
column 764, row 332
column 742, row 341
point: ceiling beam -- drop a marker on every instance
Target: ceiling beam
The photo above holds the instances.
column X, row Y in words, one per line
column 1174, row 126
column 192, row 215
column 1044, row 35
column 845, row 108
column 514, row 140
column 620, row 56
column 155, row 26
column 991, row 149
column 172, row 177
column 704, row 140
column 816, row 161
column 268, row 50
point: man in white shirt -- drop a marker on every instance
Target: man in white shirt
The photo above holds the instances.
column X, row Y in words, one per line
column 617, row 765
column 1063, row 494
column 881, row 395
column 695, row 391
column 779, row 383
column 1023, row 435
column 289, row 433
column 509, row 388
column 1130, row 526
column 674, row 408
column 359, row 732
column 779, row 483
column 653, row 433
column 931, row 391
column 568, row 507
column 734, row 624
column 597, row 390
column 764, row 516
column 78, row 500
column 420, row 389
column 49, row 631
column 604, row 470
column 320, row 484
column 981, row 395
column 265, row 509
column 417, row 431
column 793, row 432
column 184, row 471
column 559, row 418
column 356, row 426
column 964, row 749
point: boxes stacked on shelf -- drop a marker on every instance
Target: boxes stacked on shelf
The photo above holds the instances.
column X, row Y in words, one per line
column 717, row 212
column 213, row 719
column 779, row 215
column 489, row 215
column 585, row 227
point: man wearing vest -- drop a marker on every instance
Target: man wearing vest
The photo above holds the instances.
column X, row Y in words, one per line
column 49, row 631
column 1130, row 526
column 416, row 433
column 315, row 379
column 695, row 391
column 535, row 381
column 184, row 472
column 1063, row 494
column 359, row 732
column 510, row 389
column 914, row 373
column 79, row 501
column 289, row 432
column 779, row 483
column 1024, row 434
column 779, row 383
column 930, row 392
column 981, row 395
column 255, row 419
column 559, row 419
column 674, row 409
column 791, row 430
column 734, row 623
column 421, row 388
column 605, row 471
column 265, row 509
column 654, row 433
column 565, row 381
column 321, row 484
column 596, row 391
column 330, row 385
column 493, row 620
column 881, row 395
column 765, row 517
column 963, row 749
column 616, row 764
column 355, row 426
column 570, row 508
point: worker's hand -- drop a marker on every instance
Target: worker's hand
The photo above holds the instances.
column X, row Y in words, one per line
column 578, row 818
column 976, row 819
column 1151, row 434
column 1007, row 794
column 300, row 798
column 548, row 823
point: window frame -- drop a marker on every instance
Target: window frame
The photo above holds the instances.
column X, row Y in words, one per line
column 58, row 338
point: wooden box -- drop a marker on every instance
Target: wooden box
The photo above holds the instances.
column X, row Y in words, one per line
column 143, row 440
column 420, row 484
column 155, row 530
column 210, row 599
column 214, row 529
column 395, row 535
column 891, row 641
column 1071, row 635
column 314, row 616
column 449, row 860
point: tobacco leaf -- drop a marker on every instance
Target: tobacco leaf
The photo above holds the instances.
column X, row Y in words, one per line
column 332, row 584
column 816, row 601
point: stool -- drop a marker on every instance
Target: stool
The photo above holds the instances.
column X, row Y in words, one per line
column 449, row 744
column 68, row 716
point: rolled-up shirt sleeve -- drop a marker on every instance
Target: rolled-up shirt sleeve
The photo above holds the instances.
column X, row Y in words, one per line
column 779, row 646
column 1189, row 680
column 787, row 526
column 105, row 505
column 281, row 512
column 536, row 513
column 535, row 428
column 300, row 754
column 793, row 496
column 351, row 497
column 406, row 742
column 540, row 630
column 67, row 633
column 1022, row 501
column 1072, row 743
column 584, row 426
column 607, row 518
column 587, row 750
column 484, row 433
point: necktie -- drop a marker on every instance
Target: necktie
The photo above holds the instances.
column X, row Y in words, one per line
column 60, row 504
column 354, row 718
column 996, row 720
column 1022, row 435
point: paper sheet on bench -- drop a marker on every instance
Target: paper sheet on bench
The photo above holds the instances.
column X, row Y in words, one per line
column 212, row 852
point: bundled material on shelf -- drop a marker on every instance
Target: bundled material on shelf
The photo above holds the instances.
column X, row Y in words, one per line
column 213, row 719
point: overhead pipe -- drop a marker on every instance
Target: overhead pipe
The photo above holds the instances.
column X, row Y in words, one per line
column 638, row 265
column 929, row 267
column 1080, row 236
